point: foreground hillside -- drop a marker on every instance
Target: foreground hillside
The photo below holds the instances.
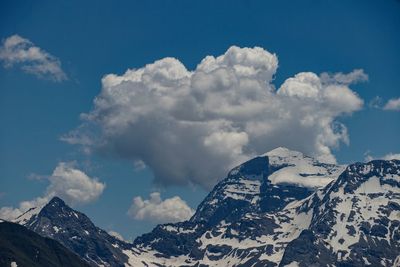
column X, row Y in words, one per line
column 24, row 248
column 278, row 209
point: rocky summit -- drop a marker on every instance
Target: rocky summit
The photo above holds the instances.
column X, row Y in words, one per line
column 75, row 231
column 278, row 209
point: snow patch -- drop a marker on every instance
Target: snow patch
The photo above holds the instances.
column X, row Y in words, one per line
column 298, row 169
column 292, row 264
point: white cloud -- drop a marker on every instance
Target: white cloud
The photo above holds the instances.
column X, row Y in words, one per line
column 375, row 102
column 393, row 104
column 157, row 210
column 139, row 165
column 116, row 235
column 357, row 75
column 73, row 185
column 190, row 127
column 9, row 213
column 19, row 51
column 391, row 156
column 68, row 182
column 388, row 156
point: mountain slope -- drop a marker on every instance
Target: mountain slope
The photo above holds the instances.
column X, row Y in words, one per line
column 25, row 248
column 356, row 220
column 352, row 221
column 246, row 190
column 243, row 220
column 265, row 183
column 76, row 232
column 279, row 209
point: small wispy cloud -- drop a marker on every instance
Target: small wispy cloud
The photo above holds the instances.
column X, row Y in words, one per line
column 357, row 75
column 393, row 104
column 376, row 102
column 117, row 235
column 21, row 52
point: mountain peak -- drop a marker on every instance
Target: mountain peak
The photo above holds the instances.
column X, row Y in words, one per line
column 30, row 214
column 77, row 232
column 353, row 221
column 57, row 201
column 268, row 211
column 283, row 156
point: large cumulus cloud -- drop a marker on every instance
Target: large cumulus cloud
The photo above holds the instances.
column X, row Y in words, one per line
column 192, row 126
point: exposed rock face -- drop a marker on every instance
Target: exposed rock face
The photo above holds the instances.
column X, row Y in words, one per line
column 248, row 220
column 281, row 208
column 356, row 220
column 75, row 231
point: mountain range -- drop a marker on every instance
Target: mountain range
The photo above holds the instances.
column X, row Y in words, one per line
column 278, row 209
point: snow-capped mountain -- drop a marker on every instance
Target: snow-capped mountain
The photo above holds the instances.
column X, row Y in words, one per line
column 352, row 221
column 293, row 167
column 75, row 231
column 265, row 183
column 278, row 209
column 355, row 221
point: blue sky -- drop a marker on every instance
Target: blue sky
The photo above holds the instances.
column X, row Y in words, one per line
column 92, row 39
